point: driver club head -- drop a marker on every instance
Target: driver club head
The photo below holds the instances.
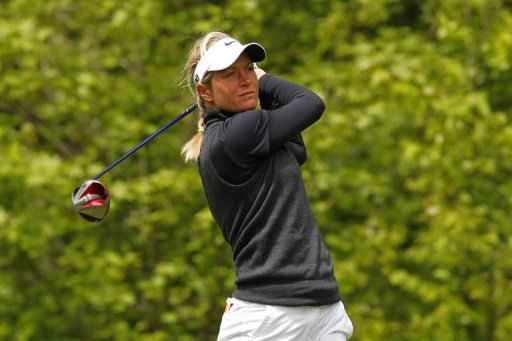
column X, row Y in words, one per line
column 91, row 200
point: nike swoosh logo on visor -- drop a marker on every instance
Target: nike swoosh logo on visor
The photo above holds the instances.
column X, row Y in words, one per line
column 229, row 42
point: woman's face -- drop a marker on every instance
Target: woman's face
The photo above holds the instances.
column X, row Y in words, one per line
column 234, row 89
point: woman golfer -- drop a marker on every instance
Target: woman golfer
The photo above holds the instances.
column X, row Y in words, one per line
column 249, row 162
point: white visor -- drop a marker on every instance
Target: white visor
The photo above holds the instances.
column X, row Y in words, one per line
column 223, row 54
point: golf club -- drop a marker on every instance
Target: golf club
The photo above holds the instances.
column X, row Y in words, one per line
column 91, row 199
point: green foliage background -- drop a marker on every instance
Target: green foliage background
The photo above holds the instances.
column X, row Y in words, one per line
column 409, row 169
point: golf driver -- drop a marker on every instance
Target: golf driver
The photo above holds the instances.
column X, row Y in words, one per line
column 91, row 199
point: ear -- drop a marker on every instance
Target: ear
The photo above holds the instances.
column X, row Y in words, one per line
column 204, row 92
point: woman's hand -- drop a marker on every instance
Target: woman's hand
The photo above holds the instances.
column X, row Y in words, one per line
column 259, row 72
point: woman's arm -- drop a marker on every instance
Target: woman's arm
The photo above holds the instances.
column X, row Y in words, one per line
column 298, row 108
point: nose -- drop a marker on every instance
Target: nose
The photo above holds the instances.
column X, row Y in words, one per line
column 243, row 78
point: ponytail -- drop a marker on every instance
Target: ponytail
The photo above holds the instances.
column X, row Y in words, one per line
column 192, row 148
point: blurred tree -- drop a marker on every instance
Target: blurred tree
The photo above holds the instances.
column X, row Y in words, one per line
column 407, row 174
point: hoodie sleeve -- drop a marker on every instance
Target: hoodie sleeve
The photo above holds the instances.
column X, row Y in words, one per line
column 251, row 135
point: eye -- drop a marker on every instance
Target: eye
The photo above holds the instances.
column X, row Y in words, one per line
column 229, row 73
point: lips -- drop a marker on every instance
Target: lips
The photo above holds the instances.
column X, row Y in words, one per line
column 248, row 94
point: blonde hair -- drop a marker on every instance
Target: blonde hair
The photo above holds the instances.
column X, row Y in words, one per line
column 192, row 148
